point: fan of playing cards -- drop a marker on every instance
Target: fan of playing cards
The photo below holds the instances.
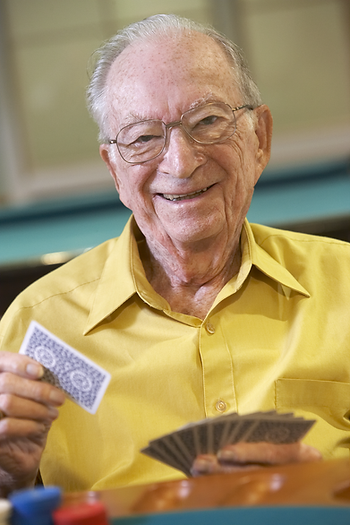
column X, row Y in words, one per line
column 179, row 449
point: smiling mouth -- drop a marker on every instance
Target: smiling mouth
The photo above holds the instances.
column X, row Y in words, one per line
column 184, row 196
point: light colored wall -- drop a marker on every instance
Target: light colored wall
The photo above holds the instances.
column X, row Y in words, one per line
column 299, row 52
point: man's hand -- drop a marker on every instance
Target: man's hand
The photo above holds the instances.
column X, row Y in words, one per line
column 27, row 408
column 244, row 456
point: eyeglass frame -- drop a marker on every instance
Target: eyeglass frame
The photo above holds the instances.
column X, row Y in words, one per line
column 177, row 123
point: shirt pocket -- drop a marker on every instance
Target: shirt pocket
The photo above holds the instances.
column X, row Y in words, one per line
column 326, row 401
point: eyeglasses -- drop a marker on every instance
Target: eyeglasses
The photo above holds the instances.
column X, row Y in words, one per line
column 208, row 124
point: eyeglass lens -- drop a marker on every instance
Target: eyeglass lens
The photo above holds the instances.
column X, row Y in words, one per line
column 145, row 140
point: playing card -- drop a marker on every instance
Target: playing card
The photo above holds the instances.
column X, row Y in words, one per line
column 201, row 438
column 278, row 431
column 171, row 448
column 217, row 433
column 228, row 433
column 189, row 442
column 178, row 446
column 159, row 450
column 239, row 430
column 81, row 379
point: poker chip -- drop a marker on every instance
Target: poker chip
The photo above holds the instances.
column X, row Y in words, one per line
column 34, row 506
column 81, row 514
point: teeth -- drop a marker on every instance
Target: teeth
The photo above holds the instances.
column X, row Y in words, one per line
column 171, row 197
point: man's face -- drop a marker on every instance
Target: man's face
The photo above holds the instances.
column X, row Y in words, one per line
column 162, row 80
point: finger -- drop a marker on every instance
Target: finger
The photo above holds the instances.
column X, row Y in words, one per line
column 205, row 464
column 21, row 408
column 35, row 390
column 22, row 428
column 21, row 365
column 268, row 453
column 209, row 464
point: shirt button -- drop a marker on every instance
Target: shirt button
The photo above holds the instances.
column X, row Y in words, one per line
column 220, row 406
column 210, row 328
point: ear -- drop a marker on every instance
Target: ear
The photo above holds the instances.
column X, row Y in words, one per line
column 105, row 155
column 263, row 131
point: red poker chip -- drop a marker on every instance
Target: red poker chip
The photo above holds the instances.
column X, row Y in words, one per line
column 81, row 514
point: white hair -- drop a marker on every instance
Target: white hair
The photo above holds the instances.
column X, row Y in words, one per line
column 156, row 26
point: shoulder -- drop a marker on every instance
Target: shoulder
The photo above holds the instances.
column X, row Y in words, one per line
column 74, row 282
column 80, row 271
column 309, row 258
column 272, row 238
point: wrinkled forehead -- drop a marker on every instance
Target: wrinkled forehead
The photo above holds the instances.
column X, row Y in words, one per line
column 161, row 66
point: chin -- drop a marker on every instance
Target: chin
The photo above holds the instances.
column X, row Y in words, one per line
column 188, row 236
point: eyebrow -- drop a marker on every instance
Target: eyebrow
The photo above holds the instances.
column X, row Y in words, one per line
column 204, row 100
column 134, row 118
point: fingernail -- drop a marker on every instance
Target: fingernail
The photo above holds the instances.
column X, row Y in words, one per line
column 35, row 370
column 203, row 465
column 53, row 412
column 57, row 397
column 309, row 453
column 227, row 455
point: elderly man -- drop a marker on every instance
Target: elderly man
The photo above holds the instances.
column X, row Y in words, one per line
column 194, row 312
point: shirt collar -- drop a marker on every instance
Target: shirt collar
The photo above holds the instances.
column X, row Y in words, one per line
column 123, row 275
column 116, row 283
column 267, row 264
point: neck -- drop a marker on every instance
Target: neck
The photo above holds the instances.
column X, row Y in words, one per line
column 190, row 277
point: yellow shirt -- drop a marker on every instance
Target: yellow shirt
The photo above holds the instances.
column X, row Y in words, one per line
column 276, row 337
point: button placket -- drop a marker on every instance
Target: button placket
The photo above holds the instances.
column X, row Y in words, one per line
column 219, row 395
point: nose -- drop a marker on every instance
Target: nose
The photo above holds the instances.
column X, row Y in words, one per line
column 182, row 155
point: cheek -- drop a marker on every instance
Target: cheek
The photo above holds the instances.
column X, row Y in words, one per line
column 234, row 163
column 132, row 186
column 242, row 163
column 240, row 178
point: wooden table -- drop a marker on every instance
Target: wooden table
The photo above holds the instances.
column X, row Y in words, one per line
column 300, row 493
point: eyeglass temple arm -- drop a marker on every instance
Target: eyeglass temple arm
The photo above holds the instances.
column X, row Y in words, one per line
column 248, row 106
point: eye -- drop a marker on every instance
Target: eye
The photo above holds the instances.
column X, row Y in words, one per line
column 207, row 121
column 141, row 136
column 144, row 138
